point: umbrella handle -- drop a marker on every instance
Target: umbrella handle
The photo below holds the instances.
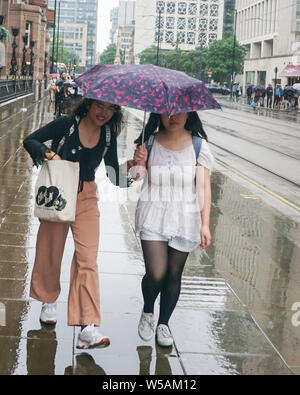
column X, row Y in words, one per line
column 143, row 131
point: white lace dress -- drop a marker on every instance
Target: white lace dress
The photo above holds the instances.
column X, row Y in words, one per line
column 168, row 205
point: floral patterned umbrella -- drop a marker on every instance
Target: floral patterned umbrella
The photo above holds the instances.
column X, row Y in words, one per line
column 146, row 87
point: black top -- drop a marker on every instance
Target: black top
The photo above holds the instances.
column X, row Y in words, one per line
column 89, row 158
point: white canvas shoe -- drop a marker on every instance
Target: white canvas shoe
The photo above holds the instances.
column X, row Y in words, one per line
column 90, row 336
column 48, row 314
column 146, row 326
column 163, row 336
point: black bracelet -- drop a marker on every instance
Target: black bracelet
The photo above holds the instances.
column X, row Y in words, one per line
column 53, row 156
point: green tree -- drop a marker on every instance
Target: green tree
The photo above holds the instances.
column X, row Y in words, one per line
column 108, row 55
column 219, row 58
column 149, row 55
column 64, row 55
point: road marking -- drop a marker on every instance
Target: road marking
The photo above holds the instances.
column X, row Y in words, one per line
column 267, row 191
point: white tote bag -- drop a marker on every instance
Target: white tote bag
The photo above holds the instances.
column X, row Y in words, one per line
column 56, row 191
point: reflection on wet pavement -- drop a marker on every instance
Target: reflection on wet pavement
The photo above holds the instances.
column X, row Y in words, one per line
column 235, row 312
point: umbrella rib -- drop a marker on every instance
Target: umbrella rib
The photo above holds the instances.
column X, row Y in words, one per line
column 165, row 85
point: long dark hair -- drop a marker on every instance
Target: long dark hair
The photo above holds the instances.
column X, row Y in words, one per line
column 115, row 122
column 192, row 125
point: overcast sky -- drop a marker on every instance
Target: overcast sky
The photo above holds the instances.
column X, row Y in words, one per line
column 104, row 23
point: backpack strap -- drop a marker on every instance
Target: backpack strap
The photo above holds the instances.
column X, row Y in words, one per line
column 68, row 133
column 107, row 139
column 197, row 143
column 149, row 144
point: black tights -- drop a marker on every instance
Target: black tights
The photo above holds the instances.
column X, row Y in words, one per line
column 164, row 267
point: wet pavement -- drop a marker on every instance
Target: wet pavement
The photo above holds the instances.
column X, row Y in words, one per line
column 235, row 314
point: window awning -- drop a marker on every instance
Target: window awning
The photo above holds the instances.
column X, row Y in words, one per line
column 290, row 71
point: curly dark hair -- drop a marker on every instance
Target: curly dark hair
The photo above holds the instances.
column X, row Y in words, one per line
column 192, row 125
column 115, row 122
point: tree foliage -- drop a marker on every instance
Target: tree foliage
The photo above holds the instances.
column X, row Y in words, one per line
column 64, row 55
column 108, row 55
column 218, row 57
column 224, row 57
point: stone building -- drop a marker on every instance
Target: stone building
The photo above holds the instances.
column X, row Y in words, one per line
column 270, row 31
column 29, row 20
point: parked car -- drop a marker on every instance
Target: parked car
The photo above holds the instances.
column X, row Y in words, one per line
column 215, row 88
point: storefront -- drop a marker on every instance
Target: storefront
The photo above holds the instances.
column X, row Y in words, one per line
column 292, row 73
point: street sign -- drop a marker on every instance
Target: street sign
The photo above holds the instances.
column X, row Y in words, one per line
column 209, row 73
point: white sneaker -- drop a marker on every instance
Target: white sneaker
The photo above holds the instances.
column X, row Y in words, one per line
column 146, row 326
column 48, row 314
column 90, row 336
column 163, row 336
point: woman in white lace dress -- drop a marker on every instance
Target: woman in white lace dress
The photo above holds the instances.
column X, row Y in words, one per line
column 172, row 214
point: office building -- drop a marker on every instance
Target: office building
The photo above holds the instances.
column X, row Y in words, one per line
column 78, row 26
column 270, row 31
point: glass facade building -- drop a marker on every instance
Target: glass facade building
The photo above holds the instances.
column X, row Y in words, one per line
column 74, row 14
column 229, row 16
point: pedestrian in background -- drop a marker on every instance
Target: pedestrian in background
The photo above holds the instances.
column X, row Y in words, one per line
column 278, row 96
column 249, row 94
column 90, row 132
column 52, row 89
column 270, row 93
column 171, row 222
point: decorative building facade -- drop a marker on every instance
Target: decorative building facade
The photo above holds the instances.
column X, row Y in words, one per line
column 189, row 24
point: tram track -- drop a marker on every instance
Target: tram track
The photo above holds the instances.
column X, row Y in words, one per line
column 219, row 115
column 253, row 141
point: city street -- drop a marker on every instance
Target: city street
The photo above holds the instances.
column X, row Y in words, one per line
column 237, row 312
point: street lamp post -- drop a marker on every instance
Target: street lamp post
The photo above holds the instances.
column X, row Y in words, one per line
column 14, row 63
column 31, row 58
column 57, row 40
column 158, row 38
column 233, row 55
column 53, row 39
column 275, row 83
column 24, row 66
column 200, row 63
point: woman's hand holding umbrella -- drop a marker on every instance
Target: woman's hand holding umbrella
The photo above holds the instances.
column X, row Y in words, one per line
column 140, row 160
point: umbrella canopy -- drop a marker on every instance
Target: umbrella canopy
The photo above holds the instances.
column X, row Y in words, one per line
column 69, row 84
column 146, row 87
column 297, row 86
column 259, row 88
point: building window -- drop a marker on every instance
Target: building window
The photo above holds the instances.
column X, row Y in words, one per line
column 190, row 38
column 213, row 25
column 182, row 8
column 202, row 39
column 212, row 37
column 171, row 6
column 203, row 25
column 192, row 23
column 159, row 22
column 214, row 10
column 203, row 9
column 169, row 36
column 160, row 36
column 181, row 37
column 192, row 9
column 170, row 23
column 181, row 23
column 28, row 33
column 160, row 6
